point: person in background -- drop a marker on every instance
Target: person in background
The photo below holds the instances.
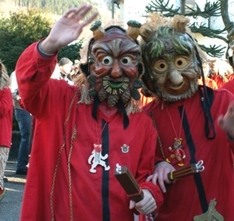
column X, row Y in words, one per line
column 82, row 136
column 24, row 120
column 195, row 125
column 79, row 79
column 6, row 121
column 65, row 67
column 220, row 70
column 77, row 76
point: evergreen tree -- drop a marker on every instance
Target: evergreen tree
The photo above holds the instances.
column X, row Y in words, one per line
column 54, row 6
column 18, row 31
column 71, row 51
column 21, row 29
column 215, row 9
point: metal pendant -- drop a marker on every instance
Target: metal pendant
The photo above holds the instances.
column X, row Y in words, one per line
column 176, row 152
column 96, row 158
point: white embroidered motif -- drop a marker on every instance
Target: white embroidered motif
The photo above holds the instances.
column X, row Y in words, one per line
column 96, row 158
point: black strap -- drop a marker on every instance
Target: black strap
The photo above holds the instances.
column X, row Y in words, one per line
column 122, row 109
column 207, row 97
column 96, row 102
column 192, row 150
column 105, row 174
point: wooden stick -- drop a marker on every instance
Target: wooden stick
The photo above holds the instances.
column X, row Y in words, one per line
column 185, row 171
column 128, row 182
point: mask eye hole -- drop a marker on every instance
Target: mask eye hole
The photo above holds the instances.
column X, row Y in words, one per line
column 126, row 61
column 107, row 60
column 181, row 62
column 160, row 65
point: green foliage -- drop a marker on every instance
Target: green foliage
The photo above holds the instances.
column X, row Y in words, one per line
column 163, row 7
column 213, row 50
column 54, row 6
column 210, row 9
column 206, row 31
column 20, row 30
column 72, row 51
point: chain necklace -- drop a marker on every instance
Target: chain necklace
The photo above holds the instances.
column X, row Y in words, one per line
column 176, row 149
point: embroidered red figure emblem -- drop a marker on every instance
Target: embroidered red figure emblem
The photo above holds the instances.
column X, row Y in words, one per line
column 177, row 152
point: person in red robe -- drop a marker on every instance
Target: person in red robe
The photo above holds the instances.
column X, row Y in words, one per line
column 82, row 134
column 6, row 121
column 195, row 120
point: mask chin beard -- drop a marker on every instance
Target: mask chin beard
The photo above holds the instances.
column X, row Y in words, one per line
column 114, row 98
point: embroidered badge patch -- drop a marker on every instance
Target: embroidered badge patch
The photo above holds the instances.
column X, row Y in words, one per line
column 125, row 148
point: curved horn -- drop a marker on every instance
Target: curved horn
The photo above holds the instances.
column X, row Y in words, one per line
column 98, row 31
column 133, row 29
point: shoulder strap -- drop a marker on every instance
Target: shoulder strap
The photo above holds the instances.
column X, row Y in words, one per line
column 192, row 150
column 207, row 97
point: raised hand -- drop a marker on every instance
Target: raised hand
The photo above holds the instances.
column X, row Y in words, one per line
column 226, row 122
column 67, row 29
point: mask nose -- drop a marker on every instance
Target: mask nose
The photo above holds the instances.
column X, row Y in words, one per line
column 174, row 75
column 116, row 71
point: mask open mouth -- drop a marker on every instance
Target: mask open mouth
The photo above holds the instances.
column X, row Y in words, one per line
column 114, row 87
column 114, row 84
column 177, row 87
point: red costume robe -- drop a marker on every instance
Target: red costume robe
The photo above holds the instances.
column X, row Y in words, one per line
column 229, row 85
column 6, row 117
column 59, row 182
column 181, row 200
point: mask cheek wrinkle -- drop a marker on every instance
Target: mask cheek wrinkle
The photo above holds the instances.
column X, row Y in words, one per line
column 160, row 79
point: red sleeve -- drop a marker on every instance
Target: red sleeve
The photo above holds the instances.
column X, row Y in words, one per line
column 33, row 73
column 5, row 101
column 155, row 191
column 147, row 161
column 6, row 113
column 229, row 86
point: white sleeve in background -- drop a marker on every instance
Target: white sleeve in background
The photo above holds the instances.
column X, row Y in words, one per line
column 13, row 82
